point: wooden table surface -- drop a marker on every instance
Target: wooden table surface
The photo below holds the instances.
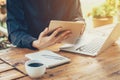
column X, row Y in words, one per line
column 105, row 66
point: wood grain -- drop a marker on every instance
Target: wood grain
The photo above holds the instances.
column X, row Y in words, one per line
column 1, row 61
column 106, row 66
column 10, row 75
column 21, row 68
column 25, row 78
column 4, row 67
column 14, row 56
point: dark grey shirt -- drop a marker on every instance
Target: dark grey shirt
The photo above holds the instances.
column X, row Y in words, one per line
column 26, row 19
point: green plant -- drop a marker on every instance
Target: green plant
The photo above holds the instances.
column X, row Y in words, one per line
column 108, row 9
column 4, row 43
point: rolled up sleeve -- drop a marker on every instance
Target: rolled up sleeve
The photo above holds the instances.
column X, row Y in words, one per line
column 16, row 25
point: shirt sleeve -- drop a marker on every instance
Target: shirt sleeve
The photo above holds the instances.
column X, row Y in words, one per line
column 16, row 25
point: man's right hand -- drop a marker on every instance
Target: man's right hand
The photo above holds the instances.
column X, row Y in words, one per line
column 46, row 40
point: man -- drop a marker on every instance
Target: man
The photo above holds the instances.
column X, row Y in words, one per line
column 27, row 21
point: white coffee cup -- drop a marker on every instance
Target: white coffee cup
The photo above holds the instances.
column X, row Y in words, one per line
column 34, row 68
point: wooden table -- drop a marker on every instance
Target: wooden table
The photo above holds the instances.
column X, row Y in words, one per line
column 105, row 66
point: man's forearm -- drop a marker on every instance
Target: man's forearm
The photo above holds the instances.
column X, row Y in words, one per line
column 22, row 39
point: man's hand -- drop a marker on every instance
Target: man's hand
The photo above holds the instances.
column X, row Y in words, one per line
column 44, row 40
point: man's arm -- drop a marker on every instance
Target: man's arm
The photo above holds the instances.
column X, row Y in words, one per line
column 16, row 24
column 18, row 29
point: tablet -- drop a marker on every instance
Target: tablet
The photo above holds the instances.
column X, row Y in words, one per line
column 76, row 28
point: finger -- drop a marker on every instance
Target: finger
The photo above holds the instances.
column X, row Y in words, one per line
column 63, row 36
column 51, row 31
column 66, row 37
column 56, row 32
column 46, row 31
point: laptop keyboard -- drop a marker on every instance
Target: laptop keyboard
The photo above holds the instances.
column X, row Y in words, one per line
column 93, row 46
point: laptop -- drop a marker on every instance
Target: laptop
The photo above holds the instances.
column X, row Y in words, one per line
column 77, row 28
column 92, row 44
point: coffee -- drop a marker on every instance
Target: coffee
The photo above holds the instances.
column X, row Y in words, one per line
column 34, row 68
column 35, row 64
